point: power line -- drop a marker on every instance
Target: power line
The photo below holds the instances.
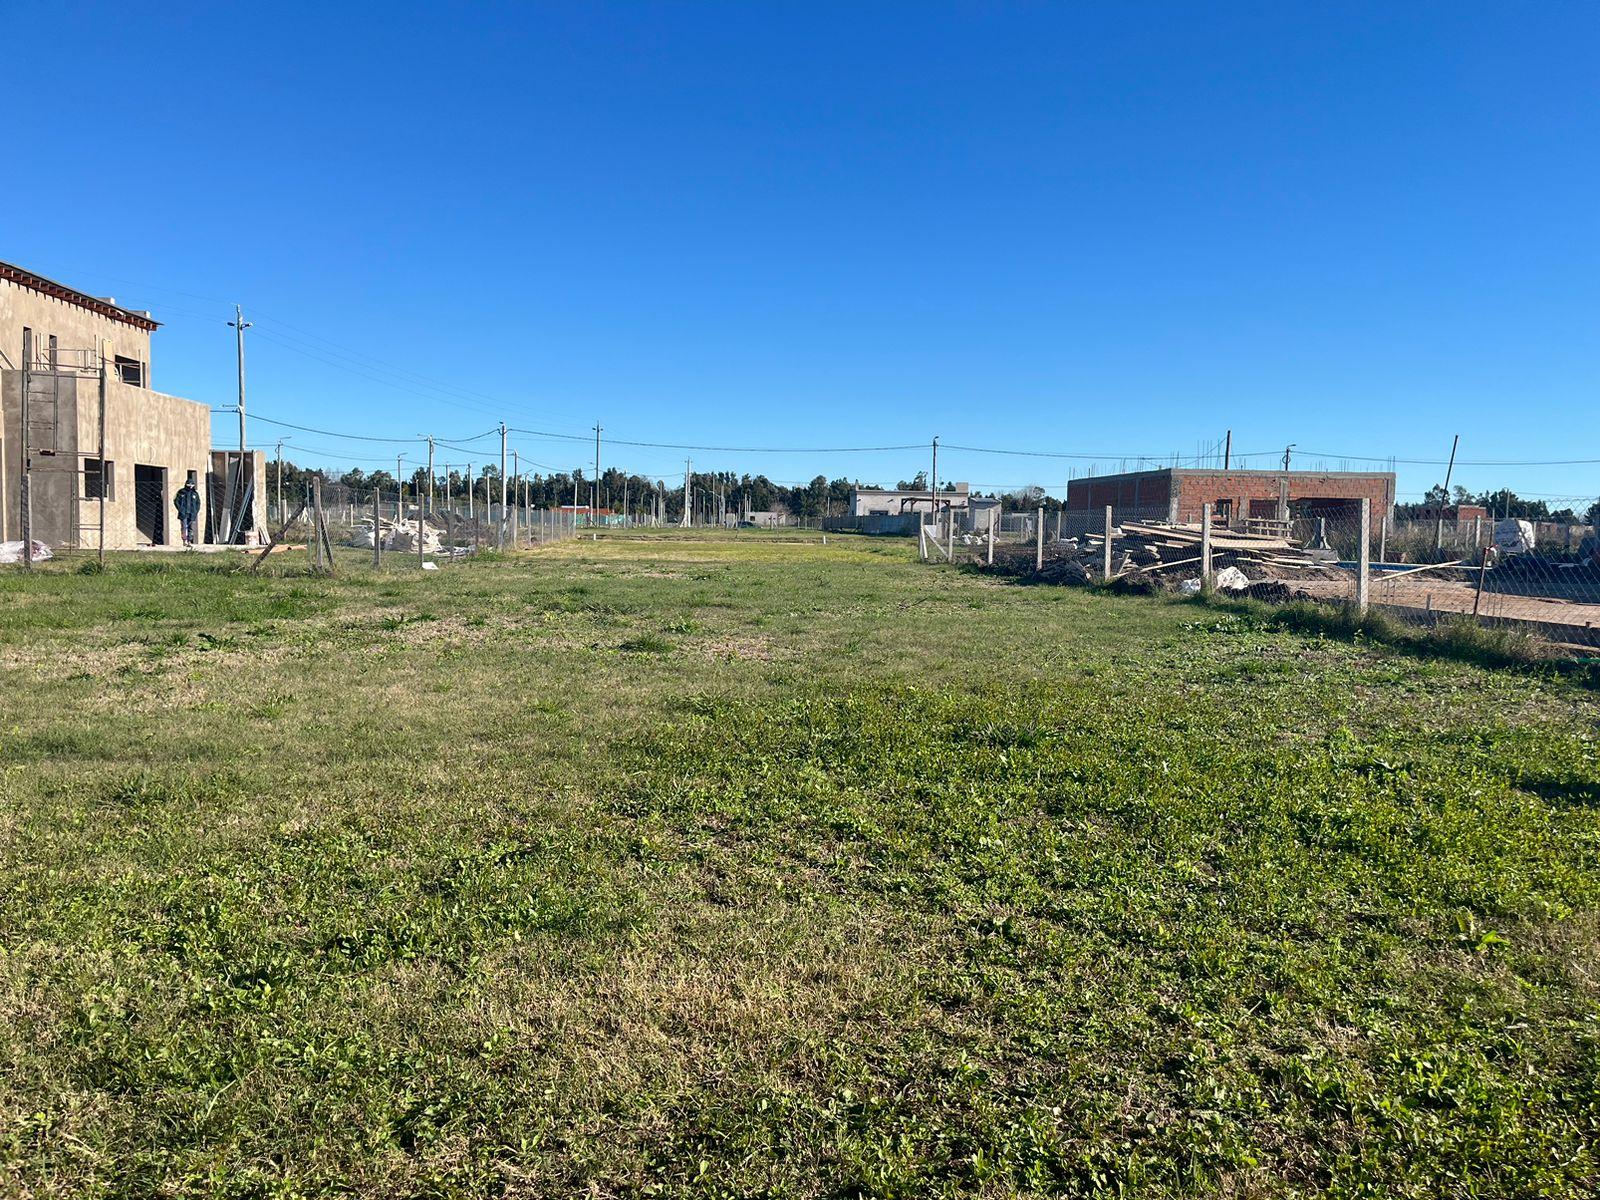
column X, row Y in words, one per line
column 367, row 375
column 572, row 437
column 1462, row 462
column 328, row 347
column 361, row 437
column 336, row 455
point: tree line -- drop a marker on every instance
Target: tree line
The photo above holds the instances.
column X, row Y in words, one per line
column 1501, row 503
column 714, row 493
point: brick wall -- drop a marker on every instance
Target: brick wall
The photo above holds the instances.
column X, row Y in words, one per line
column 1252, row 493
column 1145, row 493
column 1180, row 494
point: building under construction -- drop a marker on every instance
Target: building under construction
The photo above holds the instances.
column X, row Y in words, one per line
column 1237, row 497
column 94, row 454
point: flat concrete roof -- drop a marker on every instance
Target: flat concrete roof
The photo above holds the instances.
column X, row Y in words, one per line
column 49, row 287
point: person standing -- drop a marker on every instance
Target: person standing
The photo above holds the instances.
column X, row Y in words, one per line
column 187, row 502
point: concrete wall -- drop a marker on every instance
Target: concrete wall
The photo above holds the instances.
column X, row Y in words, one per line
column 55, row 479
column 142, row 428
column 74, row 328
column 866, row 501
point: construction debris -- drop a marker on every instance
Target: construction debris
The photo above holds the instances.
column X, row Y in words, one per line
column 1168, row 556
column 11, row 552
column 399, row 536
column 1229, row 579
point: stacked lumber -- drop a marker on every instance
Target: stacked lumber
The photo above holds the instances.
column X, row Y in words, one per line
column 1169, row 554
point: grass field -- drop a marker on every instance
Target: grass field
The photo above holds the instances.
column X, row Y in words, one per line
column 745, row 866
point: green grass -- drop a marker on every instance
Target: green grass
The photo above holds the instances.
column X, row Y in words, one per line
column 747, row 866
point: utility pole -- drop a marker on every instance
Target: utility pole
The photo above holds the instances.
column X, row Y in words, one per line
column 470, row 489
column 688, row 493
column 280, row 482
column 933, row 485
column 594, row 505
column 499, row 530
column 239, row 325
column 1438, row 529
column 429, row 436
column 516, row 495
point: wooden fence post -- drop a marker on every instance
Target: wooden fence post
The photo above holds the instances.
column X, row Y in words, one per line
column 1483, row 575
column 316, row 522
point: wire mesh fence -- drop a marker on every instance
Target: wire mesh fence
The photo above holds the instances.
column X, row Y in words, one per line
column 336, row 525
column 1540, row 578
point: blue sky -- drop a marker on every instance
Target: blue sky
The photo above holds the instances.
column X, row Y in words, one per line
column 1108, row 230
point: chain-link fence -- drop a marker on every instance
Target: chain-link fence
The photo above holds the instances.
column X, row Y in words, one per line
column 1541, row 578
column 335, row 525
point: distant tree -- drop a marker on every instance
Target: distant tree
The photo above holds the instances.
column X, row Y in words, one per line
column 761, row 492
column 918, row 484
column 1506, row 503
column 1591, row 515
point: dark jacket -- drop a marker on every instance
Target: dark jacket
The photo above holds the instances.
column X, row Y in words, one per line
column 187, row 501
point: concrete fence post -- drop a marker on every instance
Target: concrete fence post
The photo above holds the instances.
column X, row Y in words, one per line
column 1364, row 557
column 993, row 512
column 922, row 540
column 1109, row 523
column 1038, row 543
column 1206, row 579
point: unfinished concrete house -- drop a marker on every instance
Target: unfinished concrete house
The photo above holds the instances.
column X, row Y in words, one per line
column 80, row 366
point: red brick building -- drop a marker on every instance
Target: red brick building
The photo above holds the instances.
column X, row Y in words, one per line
column 1179, row 494
column 1450, row 512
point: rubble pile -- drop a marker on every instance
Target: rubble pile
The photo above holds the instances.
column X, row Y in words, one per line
column 399, row 536
column 1149, row 554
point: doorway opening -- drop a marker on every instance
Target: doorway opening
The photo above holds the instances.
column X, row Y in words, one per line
column 150, row 502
